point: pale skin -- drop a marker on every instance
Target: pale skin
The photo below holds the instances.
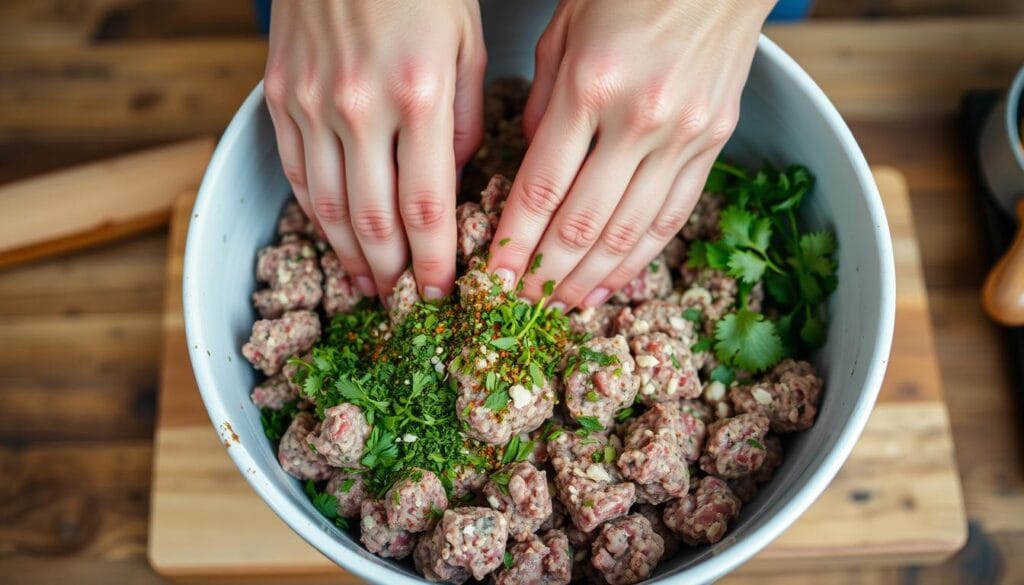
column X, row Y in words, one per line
column 376, row 106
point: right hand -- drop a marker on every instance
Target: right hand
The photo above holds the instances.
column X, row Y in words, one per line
column 375, row 105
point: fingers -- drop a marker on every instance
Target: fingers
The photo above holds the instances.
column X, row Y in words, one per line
column 547, row 173
column 426, row 197
column 638, row 209
column 670, row 219
column 373, row 206
column 548, row 56
column 329, row 203
column 292, row 155
column 469, row 96
column 580, row 221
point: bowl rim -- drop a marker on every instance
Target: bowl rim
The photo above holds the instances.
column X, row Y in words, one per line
column 707, row 569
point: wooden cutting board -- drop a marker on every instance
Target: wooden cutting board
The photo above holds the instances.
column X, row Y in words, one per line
column 897, row 500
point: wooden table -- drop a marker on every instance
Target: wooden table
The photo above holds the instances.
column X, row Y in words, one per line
column 80, row 335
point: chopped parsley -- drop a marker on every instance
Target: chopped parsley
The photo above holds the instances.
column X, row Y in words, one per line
column 504, row 242
column 755, row 443
column 275, row 422
column 590, row 424
column 507, row 560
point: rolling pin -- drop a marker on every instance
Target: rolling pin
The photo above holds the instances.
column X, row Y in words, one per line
column 96, row 202
column 1002, row 295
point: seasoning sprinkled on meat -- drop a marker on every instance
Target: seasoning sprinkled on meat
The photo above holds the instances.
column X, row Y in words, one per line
column 520, row 491
column 414, row 504
column 587, row 480
column 666, row 368
column 474, row 539
column 703, row 516
column 626, row 550
column 296, row 456
column 342, row 436
column 273, row 341
column 350, row 490
column 788, row 396
column 403, row 297
column 600, row 379
column 378, row 537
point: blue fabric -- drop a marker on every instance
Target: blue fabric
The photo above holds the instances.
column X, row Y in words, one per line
column 261, row 9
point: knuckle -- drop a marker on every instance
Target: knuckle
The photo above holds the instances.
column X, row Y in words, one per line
column 621, row 237
column 296, row 175
column 539, row 196
column 579, row 230
column 424, row 210
column 374, row 225
column 595, row 82
column 668, row 223
column 419, row 92
column 652, row 110
column 330, row 209
column 693, row 123
column 723, row 128
column 309, row 96
column 275, row 86
column 352, row 101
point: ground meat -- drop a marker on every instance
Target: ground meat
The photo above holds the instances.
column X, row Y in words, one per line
column 652, row 456
column 474, row 539
column 415, row 503
column 273, row 341
column 674, row 253
column 626, row 550
column 788, row 396
column 558, row 517
column 273, row 393
column 597, row 321
column 580, row 542
column 350, row 490
column 476, row 283
column 656, row 316
column 538, row 561
column 403, row 298
column 294, row 277
column 468, row 479
column 691, row 433
column 653, row 282
column 523, row 496
column 340, row 292
column 342, row 436
column 698, row 409
column 703, row 221
column 714, row 294
column 473, row 231
column 428, row 561
column 666, row 368
column 294, row 221
column 596, row 390
column 704, row 515
column 592, row 491
column 502, row 152
column 379, row 538
column 734, row 446
column 746, row 487
column 295, row 455
column 653, row 515
column 503, row 99
column 526, row 410
column 492, row 198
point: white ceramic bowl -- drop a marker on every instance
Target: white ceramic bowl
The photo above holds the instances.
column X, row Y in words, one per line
column 785, row 118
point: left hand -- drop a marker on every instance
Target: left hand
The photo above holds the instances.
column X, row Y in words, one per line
column 655, row 86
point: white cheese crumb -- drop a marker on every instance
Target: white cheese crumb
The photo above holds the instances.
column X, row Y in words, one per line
column 647, row 389
column 696, row 296
column 647, row 361
column 677, row 323
column 715, row 392
column 409, row 438
column 673, row 385
column 521, row 397
column 597, row 472
column 369, row 523
column 468, row 530
column 761, row 396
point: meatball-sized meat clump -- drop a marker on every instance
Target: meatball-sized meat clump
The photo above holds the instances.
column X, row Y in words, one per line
column 666, row 368
column 273, row 393
column 674, row 252
column 294, row 277
column 746, row 487
column 415, row 503
column 403, row 297
column 735, row 446
column 378, row 537
column 342, row 437
column 704, row 515
column 273, row 341
column 653, row 282
column 656, row 317
column 626, row 550
column 703, row 221
column 652, row 455
column 474, row 539
column 492, row 198
column 788, row 396
column 294, row 221
column 350, row 491
column 603, row 379
column 340, row 292
column 597, row 321
column 474, row 231
column 427, row 559
column 653, row 515
column 295, row 455
column 523, row 496
column 538, row 561
column 587, row 480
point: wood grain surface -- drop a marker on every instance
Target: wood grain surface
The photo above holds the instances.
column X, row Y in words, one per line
column 76, row 443
column 896, row 501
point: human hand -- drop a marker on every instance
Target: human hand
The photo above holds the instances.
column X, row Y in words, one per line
column 375, row 104
column 655, row 85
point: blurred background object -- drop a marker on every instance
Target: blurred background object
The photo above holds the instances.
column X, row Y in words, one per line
column 81, row 334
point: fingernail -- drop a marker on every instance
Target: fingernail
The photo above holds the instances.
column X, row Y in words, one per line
column 366, row 286
column 432, row 293
column 557, row 305
column 508, row 278
column 596, row 297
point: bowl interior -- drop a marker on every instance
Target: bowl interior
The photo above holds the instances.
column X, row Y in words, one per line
column 784, row 119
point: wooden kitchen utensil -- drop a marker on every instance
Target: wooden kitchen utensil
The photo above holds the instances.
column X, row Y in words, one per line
column 96, row 202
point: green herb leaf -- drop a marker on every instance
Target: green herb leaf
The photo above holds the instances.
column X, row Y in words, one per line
column 755, row 443
column 504, row 242
column 692, row 314
column 507, row 560
column 549, row 287
column 722, row 373
column 496, row 400
column 535, row 264
column 504, row 342
column 746, row 266
column 745, row 339
column 590, row 423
